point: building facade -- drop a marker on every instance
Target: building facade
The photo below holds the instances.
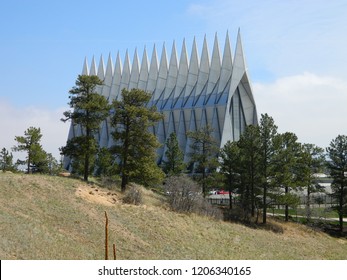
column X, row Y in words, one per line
column 191, row 92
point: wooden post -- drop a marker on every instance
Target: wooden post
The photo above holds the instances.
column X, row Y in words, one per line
column 114, row 251
column 106, row 237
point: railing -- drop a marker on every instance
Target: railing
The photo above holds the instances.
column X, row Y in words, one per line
column 316, row 201
column 221, row 201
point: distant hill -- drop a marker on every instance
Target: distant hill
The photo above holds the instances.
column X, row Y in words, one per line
column 45, row 217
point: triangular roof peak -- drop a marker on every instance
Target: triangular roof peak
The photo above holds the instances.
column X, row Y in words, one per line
column 85, row 69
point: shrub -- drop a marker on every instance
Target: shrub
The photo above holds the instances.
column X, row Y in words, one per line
column 133, row 195
column 109, row 182
column 184, row 195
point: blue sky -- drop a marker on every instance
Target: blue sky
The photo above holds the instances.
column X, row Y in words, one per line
column 296, row 53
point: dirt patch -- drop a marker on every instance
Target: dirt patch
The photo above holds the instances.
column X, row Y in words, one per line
column 64, row 174
column 97, row 195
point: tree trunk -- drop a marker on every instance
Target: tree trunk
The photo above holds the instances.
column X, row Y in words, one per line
column 230, row 195
column 341, row 208
column 87, row 155
column 86, row 167
column 29, row 161
column 204, row 171
column 124, row 172
column 308, row 204
column 252, row 186
column 204, row 182
column 264, row 203
column 124, row 183
column 252, row 197
column 286, row 211
column 265, row 187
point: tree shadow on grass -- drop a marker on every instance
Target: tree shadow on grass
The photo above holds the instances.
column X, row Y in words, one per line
column 332, row 229
column 237, row 215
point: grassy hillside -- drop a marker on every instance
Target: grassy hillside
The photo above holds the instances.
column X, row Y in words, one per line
column 43, row 217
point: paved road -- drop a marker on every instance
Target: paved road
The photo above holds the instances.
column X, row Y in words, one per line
column 226, row 196
column 314, row 218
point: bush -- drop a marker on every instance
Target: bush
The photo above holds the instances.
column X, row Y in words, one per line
column 110, row 182
column 133, row 195
column 184, row 195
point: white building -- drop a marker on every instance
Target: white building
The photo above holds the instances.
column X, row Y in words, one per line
column 191, row 92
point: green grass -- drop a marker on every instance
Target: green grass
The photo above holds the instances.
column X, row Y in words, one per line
column 321, row 213
column 44, row 217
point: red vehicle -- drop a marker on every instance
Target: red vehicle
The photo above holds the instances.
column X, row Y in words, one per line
column 222, row 192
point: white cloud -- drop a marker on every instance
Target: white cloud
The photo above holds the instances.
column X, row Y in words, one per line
column 14, row 121
column 282, row 37
column 312, row 106
column 297, row 47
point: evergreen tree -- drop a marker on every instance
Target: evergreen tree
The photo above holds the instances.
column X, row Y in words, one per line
column 287, row 169
column 104, row 162
column 46, row 164
column 173, row 165
column 53, row 166
column 6, row 161
column 41, row 165
column 311, row 162
column 337, row 164
column 30, row 143
column 268, row 130
column 249, row 145
column 203, row 157
column 135, row 146
column 230, row 160
column 89, row 110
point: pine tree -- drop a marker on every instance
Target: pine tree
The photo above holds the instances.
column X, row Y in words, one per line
column 135, row 146
column 52, row 165
column 287, row 169
column 337, row 164
column 203, row 157
column 268, row 130
column 311, row 161
column 250, row 156
column 104, row 162
column 173, row 165
column 30, row 143
column 89, row 110
column 6, row 160
column 229, row 162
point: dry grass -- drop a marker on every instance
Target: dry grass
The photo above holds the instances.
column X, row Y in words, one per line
column 44, row 217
